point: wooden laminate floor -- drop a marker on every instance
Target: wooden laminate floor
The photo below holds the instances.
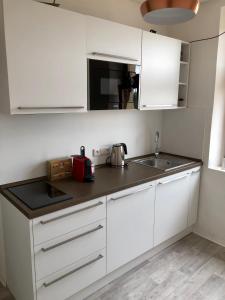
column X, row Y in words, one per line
column 191, row 269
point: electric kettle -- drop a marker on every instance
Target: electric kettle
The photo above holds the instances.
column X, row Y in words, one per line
column 118, row 155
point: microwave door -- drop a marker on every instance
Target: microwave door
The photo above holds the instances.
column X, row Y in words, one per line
column 129, row 90
column 112, row 86
column 124, row 97
column 110, row 90
column 104, row 89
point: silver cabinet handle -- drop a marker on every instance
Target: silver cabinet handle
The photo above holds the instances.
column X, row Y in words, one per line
column 195, row 172
column 53, row 107
column 175, row 179
column 132, row 193
column 113, row 56
column 47, row 284
column 72, row 239
column 163, row 105
column 71, row 213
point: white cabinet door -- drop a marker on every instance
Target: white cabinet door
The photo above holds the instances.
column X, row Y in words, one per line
column 171, row 207
column 130, row 221
column 113, row 41
column 160, row 71
column 194, row 185
column 46, row 57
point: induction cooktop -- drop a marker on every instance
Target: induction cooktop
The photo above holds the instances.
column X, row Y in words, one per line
column 39, row 194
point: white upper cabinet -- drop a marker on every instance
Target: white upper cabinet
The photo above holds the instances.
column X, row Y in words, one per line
column 46, row 58
column 160, row 72
column 44, row 53
column 107, row 40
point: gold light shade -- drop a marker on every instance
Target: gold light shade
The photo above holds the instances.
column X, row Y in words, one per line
column 168, row 12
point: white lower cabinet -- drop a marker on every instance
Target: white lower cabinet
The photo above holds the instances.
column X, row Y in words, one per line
column 130, row 221
column 66, row 283
column 66, row 220
column 194, row 186
column 72, row 255
column 64, row 252
column 171, row 207
column 176, row 204
column 57, row 255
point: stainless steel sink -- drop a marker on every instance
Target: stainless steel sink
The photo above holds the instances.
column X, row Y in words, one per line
column 164, row 162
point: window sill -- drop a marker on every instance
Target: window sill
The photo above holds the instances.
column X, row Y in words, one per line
column 218, row 169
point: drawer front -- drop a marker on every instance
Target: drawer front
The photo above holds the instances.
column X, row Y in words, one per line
column 59, row 223
column 65, row 250
column 71, row 280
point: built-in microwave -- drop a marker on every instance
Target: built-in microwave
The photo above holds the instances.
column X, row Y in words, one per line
column 113, row 85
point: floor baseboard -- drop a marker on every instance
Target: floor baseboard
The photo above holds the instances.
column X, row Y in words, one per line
column 207, row 237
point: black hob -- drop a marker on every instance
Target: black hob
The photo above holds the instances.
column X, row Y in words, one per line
column 39, row 194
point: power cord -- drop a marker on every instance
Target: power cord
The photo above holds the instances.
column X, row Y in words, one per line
column 210, row 38
column 200, row 40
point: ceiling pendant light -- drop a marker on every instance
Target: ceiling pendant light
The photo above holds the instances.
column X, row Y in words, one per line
column 168, row 12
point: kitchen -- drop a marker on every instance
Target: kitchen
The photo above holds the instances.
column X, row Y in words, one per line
column 29, row 141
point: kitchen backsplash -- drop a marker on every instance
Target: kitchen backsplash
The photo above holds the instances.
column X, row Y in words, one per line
column 29, row 141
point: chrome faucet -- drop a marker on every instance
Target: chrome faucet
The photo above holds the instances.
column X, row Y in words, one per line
column 157, row 144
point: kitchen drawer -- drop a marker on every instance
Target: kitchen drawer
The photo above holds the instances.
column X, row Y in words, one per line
column 71, row 280
column 64, row 221
column 65, row 250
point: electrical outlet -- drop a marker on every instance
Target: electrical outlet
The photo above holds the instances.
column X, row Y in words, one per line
column 105, row 151
column 96, row 153
column 101, row 152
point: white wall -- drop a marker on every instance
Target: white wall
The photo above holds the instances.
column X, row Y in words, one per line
column 26, row 142
column 189, row 125
column 188, row 132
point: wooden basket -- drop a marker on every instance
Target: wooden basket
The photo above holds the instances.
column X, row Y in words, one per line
column 59, row 169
